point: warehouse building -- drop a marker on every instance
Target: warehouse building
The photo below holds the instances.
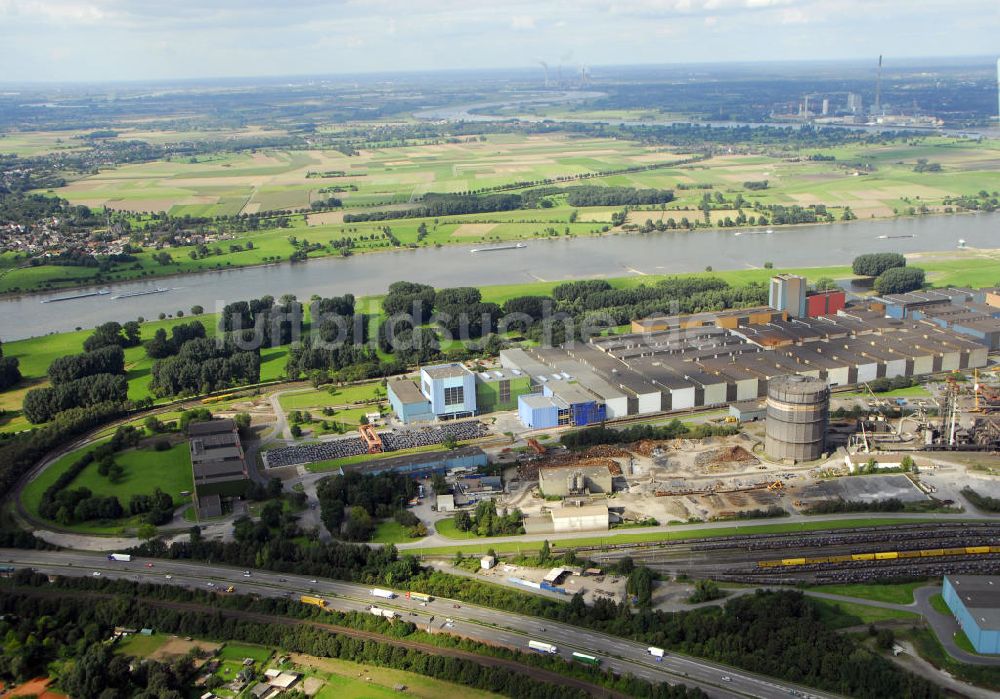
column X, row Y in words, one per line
column 580, row 518
column 451, row 389
column 408, row 403
column 903, row 305
column 975, row 602
column 425, row 463
column 693, row 365
column 564, row 481
column 537, row 411
column 218, row 465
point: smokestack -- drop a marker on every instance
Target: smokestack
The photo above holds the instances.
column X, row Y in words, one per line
column 878, row 88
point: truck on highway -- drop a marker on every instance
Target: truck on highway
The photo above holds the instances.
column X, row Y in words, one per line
column 419, row 596
column 656, row 652
column 123, row 557
column 541, row 647
column 315, row 601
column 384, row 594
column 586, row 659
column 384, row 613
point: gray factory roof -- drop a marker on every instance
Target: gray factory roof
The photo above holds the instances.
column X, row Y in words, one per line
column 570, row 393
column 613, row 371
column 524, row 361
column 564, row 471
column 406, row 391
column 491, row 375
column 980, row 594
column 660, row 372
column 916, row 298
column 220, row 469
column 446, row 371
column 430, row 458
column 537, row 400
column 731, row 368
column 199, row 456
column 198, row 429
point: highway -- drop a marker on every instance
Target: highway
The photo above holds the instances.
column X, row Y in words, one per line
column 481, row 623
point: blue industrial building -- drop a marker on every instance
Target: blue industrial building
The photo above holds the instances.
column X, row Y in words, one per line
column 450, row 388
column 409, row 404
column 560, row 403
column 537, row 411
column 975, row 602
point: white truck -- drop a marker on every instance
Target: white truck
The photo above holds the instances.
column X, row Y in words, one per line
column 384, row 613
column 540, row 647
column 656, row 652
column 123, row 557
column 384, row 594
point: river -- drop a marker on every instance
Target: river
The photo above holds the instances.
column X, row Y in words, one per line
column 541, row 260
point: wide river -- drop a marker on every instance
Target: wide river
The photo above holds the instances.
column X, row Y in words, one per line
column 556, row 259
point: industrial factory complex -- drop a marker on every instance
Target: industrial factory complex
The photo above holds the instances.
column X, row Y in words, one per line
column 671, row 363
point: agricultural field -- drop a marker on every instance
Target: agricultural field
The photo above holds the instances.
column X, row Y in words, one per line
column 277, row 179
column 874, row 181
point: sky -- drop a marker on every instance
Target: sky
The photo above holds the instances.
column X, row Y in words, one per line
column 109, row 40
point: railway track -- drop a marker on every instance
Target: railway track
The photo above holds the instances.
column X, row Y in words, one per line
column 856, row 555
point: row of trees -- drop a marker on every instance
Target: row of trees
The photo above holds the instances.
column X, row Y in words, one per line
column 203, row 365
column 162, row 346
column 42, row 404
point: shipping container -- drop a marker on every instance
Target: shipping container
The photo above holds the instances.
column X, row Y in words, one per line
column 586, row 659
column 384, row 594
column 656, row 652
column 123, row 557
column 317, row 601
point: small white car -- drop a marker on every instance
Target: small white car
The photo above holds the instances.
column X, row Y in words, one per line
column 246, row 573
column 169, row 577
column 727, row 678
column 211, row 584
column 96, row 574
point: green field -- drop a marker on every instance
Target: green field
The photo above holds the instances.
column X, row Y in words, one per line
column 842, row 615
column 350, row 680
column 447, row 529
column 145, row 469
column 900, row 593
column 391, row 532
column 239, row 651
column 311, row 399
column 142, row 646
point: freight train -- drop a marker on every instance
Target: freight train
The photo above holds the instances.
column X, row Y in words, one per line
column 880, row 556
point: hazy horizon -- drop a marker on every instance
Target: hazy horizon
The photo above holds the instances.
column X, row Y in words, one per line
column 101, row 41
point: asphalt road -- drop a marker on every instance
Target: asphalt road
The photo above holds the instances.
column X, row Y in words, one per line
column 488, row 625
